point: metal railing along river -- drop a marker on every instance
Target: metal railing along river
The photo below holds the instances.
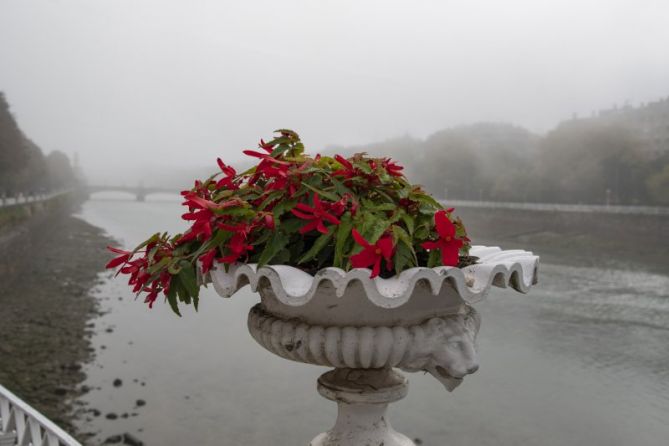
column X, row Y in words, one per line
column 558, row 207
column 23, row 199
column 21, row 425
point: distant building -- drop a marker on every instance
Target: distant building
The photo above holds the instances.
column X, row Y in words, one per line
column 650, row 120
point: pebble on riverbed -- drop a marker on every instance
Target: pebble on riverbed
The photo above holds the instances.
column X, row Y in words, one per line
column 125, row 438
column 131, row 440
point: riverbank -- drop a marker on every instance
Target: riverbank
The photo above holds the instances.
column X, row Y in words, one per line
column 49, row 263
column 578, row 239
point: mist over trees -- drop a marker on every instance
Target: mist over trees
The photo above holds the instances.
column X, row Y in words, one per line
column 580, row 161
column 23, row 167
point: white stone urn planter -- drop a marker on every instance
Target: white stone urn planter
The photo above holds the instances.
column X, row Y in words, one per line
column 422, row 319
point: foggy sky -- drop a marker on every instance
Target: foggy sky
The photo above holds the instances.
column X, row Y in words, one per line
column 178, row 83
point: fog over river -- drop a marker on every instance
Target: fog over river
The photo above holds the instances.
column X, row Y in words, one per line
column 581, row 360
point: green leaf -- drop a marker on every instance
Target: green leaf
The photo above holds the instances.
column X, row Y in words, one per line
column 373, row 227
column 318, row 245
column 274, row 195
column 329, row 195
column 155, row 237
column 279, row 150
column 182, row 293
column 427, row 200
column 174, row 267
column 282, row 207
column 371, row 206
column 341, row 188
column 408, row 221
column 292, row 225
column 434, row 259
column 363, row 166
column 264, row 236
column 158, row 266
column 235, row 212
column 384, row 195
column 278, row 241
column 282, row 257
column 343, row 235
column 189, row 279
column 172, row 295
column 404, row 257
column 405, row 240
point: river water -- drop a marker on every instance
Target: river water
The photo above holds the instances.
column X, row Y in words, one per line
column 581, row 360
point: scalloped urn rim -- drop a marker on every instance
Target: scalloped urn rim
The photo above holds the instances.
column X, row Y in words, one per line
column 294, row 287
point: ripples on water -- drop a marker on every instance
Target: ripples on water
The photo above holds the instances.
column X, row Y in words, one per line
column 582, row 360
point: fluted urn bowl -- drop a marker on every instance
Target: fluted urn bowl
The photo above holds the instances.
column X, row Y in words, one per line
column 421, row 319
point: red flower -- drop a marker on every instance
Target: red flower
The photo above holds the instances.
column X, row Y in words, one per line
column 316, row 215
column 200, row 189
column 137, row 269
column 392, row 167
column 207, row 260
column 269, row 167
column 269, row 220
column 201, row 229
column 237, row 245
column 194, row 201
column 116, row 261
column 267, row 147
column 373, row 254
column 348, row 170
column 227, row 181
column 201, row 212
column 447, row 243
column 338, row 207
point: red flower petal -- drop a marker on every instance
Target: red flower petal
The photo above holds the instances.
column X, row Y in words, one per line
column 113, row 263
column 377, row 268
column 445, row 228
column 430, row 245
column 117, row 250
column 207, row 260
column 358, row 239
column 450, row 253
column 386, row 247
column 344, row 162
column 301, row 215
column 364, row 258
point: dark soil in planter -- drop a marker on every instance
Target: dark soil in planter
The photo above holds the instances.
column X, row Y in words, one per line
column 313, row 267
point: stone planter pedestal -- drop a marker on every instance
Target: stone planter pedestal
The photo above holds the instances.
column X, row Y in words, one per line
column 362, row 396
column 421, row 320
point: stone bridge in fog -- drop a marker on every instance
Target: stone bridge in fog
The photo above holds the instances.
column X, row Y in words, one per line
column 140, row 192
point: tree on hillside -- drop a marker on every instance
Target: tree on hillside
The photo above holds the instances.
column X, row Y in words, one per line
column 506, row 154
column 658, row 184
column 34, row 177
column 581, row 160
column 61, row 173
column 14, row 153
column 450, row 167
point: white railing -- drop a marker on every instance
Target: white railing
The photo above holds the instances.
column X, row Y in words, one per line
column 23, row 199
column 600, row 208
column 21, row 425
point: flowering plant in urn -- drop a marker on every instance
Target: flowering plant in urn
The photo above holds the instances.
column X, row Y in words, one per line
column 357, row 269
column 298, row 210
